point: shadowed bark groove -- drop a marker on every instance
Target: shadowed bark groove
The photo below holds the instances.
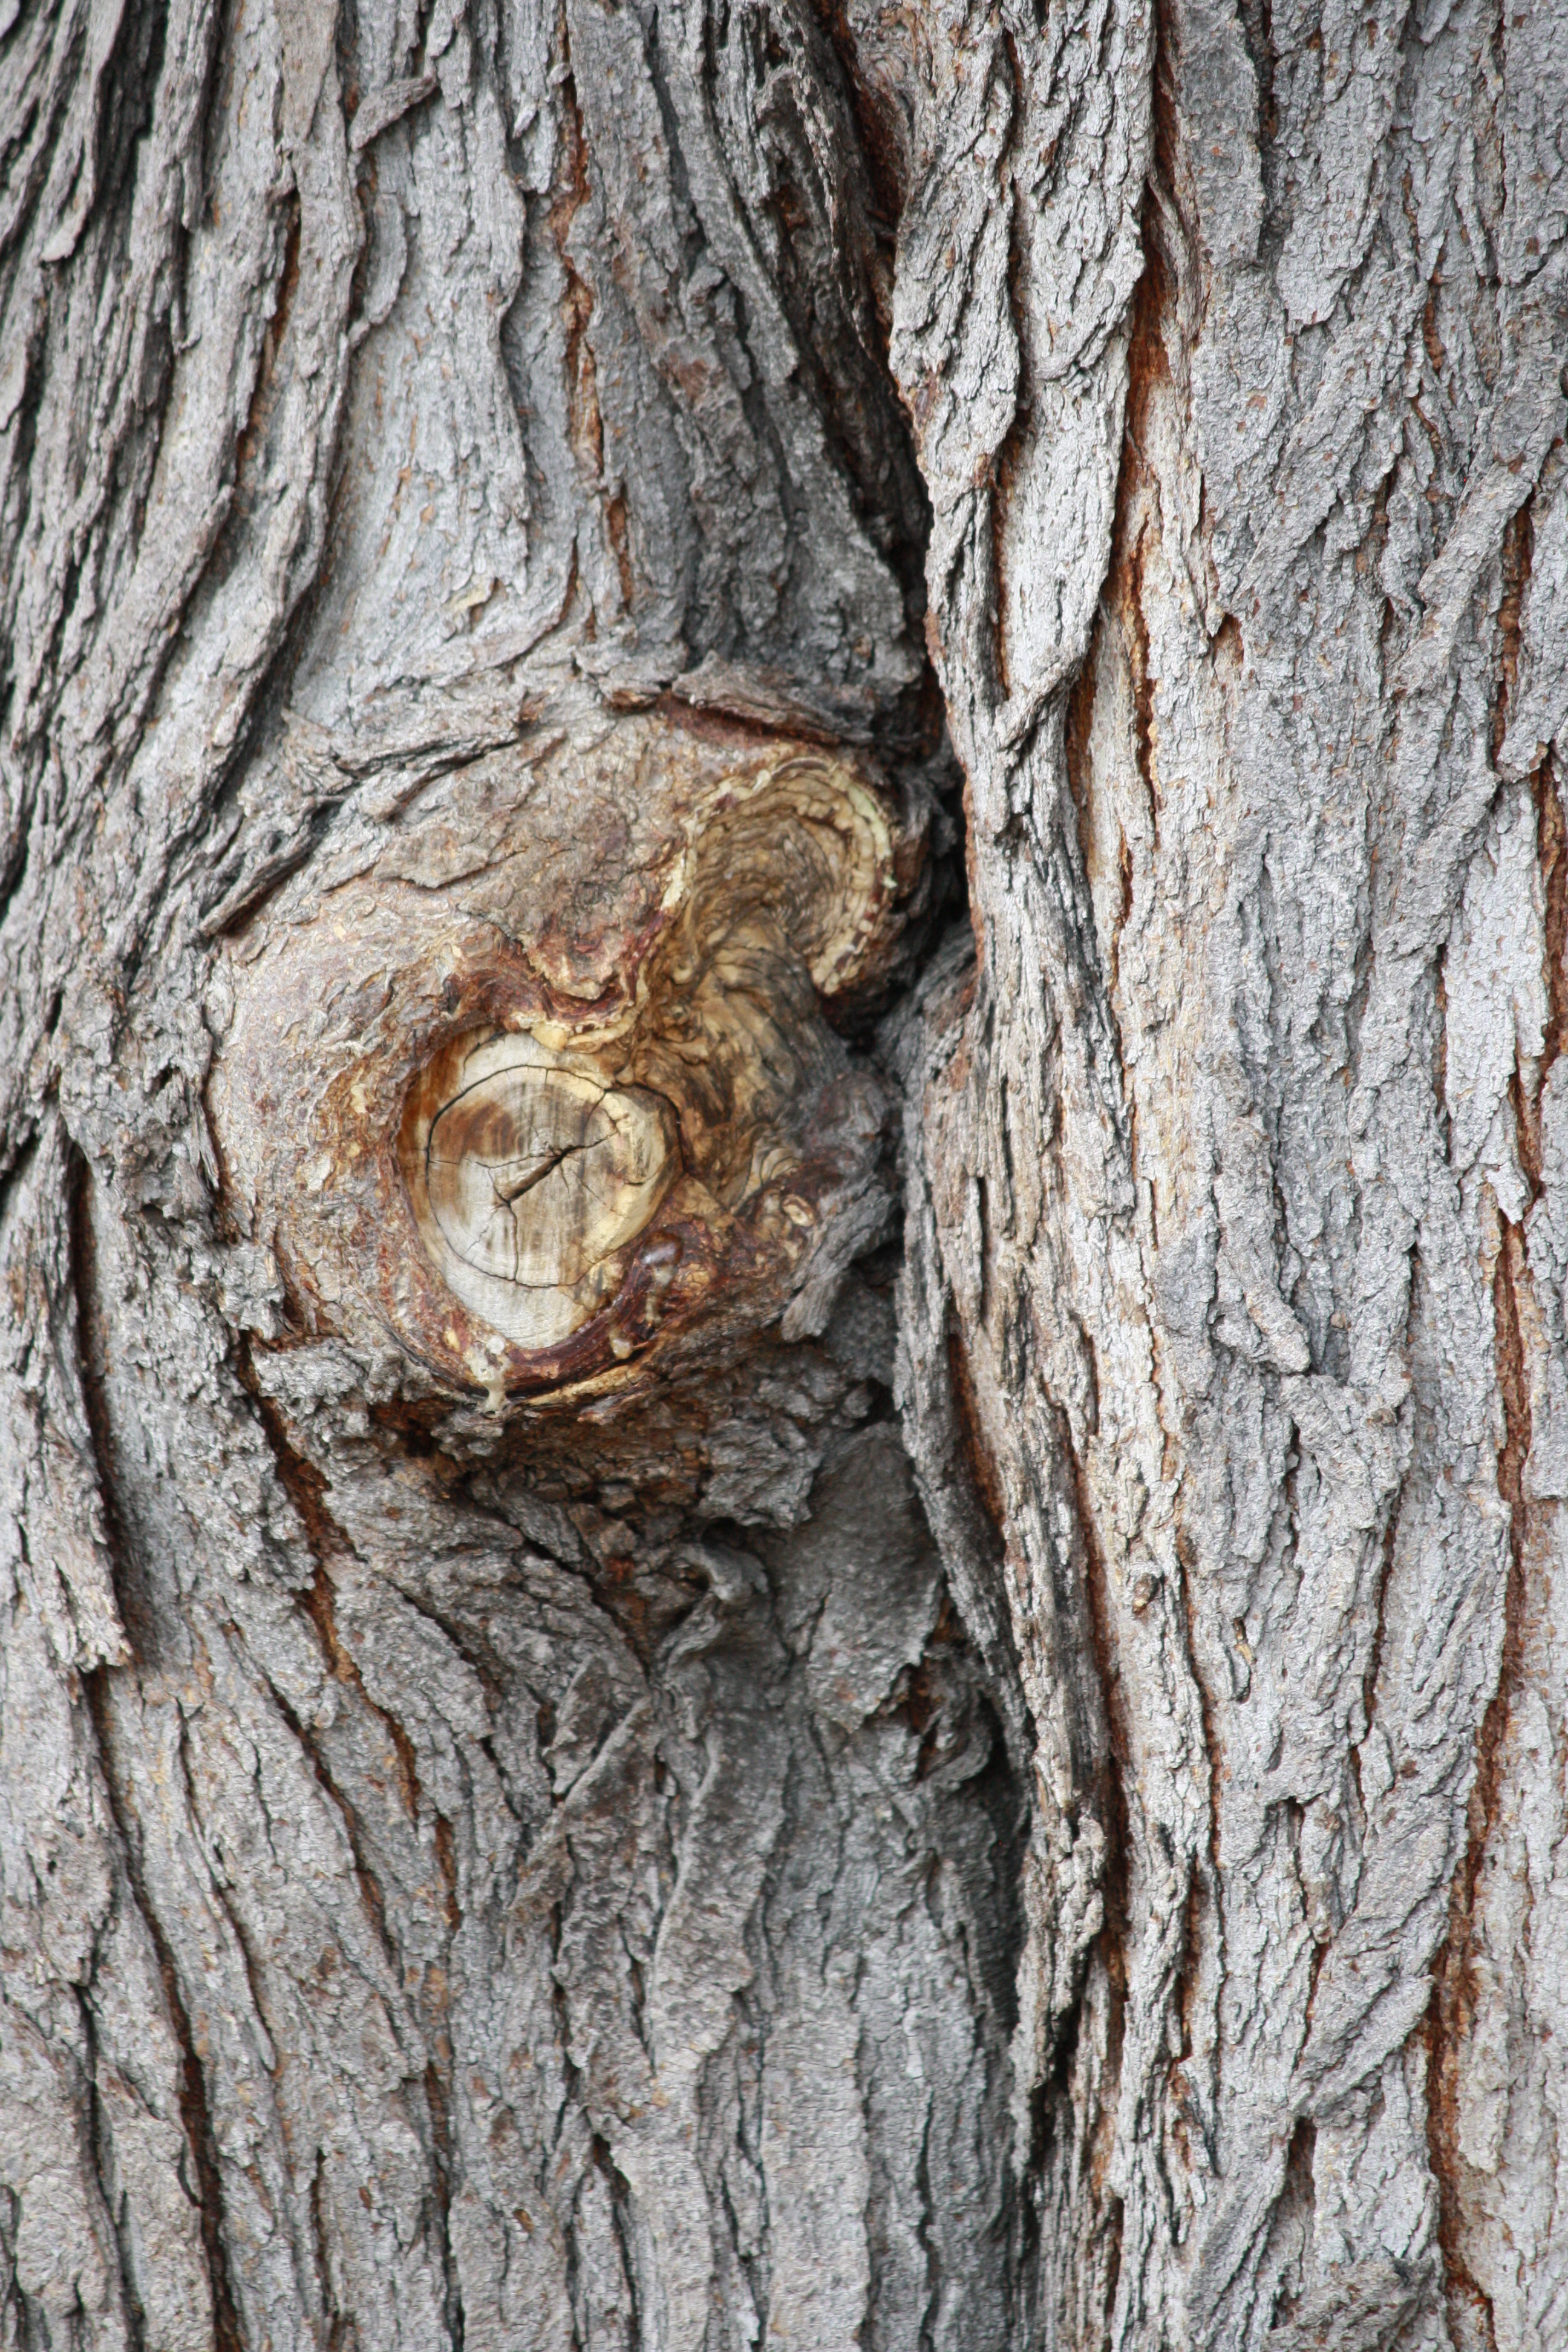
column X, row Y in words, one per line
column 193, row 2114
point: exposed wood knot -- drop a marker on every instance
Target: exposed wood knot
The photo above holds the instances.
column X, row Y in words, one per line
column 542, row 1080
column 528, row 1172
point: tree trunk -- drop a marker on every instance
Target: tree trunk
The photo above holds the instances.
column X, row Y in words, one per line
column 631, row 635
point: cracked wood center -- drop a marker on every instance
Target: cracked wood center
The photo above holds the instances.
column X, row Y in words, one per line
column 528, row 1171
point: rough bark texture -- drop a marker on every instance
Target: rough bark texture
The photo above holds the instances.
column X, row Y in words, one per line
column 989, row 1778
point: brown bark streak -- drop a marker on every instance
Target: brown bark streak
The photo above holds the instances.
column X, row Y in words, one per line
column 1451, row 2017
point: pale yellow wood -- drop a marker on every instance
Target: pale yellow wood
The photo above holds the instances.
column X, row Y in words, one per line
column 527, row 1171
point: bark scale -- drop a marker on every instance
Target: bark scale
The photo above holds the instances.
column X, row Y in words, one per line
column 989, row 1775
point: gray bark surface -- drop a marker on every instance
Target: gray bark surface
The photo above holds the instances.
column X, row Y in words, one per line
column 1008, row 1788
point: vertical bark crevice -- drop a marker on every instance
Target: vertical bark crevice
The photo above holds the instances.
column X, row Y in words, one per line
column 306, row 1487
column 131, row 1592
column 195, row 2113
column 1452, row 2016
column 114, row 2205
column 1118, row 1761
column 1527, row 1087
column 437, row 2107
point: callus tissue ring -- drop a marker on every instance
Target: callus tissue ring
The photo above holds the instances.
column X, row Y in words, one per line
column 535, row 1076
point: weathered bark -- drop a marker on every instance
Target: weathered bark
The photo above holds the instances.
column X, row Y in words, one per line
column 604, row 1740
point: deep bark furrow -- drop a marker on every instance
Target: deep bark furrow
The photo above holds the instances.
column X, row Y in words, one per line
column 194, row 2116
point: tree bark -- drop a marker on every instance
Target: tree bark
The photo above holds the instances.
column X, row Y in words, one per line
column 784, row 1184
